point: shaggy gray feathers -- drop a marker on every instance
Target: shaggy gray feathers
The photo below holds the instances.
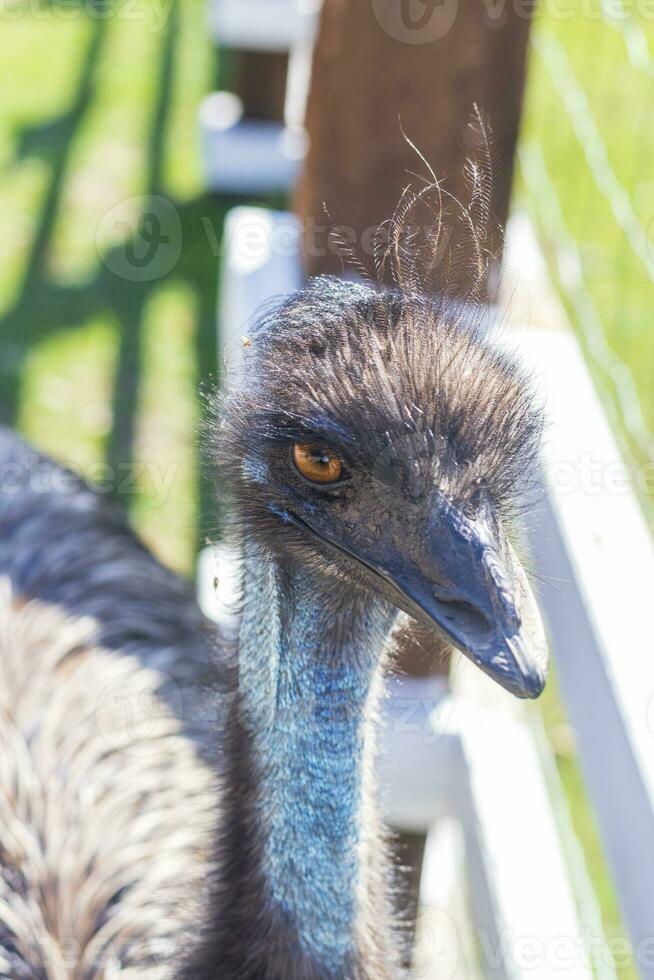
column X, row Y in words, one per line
column 106, row 800
column 63, row 543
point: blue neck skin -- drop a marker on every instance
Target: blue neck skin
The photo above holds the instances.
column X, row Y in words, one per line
column 310, row 653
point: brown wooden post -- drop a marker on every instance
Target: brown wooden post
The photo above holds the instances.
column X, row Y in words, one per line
column 426, row 63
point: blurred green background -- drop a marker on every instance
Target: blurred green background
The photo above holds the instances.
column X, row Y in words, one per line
column 586, row 177
column 98, row 126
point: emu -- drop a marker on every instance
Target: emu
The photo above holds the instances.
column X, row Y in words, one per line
column 377, row 449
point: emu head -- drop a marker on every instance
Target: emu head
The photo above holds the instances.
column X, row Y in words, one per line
column 378, row 436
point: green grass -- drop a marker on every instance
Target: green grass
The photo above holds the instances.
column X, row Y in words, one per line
column 98, row 128
column 588, row 115
column 584, row 96
column 562, row 741
column 98, row 132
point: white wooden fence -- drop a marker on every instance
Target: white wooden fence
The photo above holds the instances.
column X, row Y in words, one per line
column 254, row 156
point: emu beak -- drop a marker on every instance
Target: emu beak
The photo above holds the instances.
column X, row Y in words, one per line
column 461, row 577
column 467, row 582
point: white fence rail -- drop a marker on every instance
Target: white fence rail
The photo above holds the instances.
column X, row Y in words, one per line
column 244, row 156
column 595, row 560
column 263, row 25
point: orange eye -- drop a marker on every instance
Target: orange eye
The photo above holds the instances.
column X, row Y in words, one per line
column 317, row 463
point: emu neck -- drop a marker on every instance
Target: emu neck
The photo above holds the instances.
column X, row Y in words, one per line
column 309, row 674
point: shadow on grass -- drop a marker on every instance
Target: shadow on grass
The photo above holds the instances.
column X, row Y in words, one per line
column 23, row 325
column 125, row 280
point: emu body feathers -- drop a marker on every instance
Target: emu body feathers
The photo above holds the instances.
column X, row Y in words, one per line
column 105, row 808
column 106, row 797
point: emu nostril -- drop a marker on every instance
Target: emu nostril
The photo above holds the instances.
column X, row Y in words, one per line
column 464, row 613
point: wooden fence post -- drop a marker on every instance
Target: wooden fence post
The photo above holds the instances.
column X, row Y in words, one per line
column 426, row 63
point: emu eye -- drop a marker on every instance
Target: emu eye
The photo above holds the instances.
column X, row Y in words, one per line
column 317, row 463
